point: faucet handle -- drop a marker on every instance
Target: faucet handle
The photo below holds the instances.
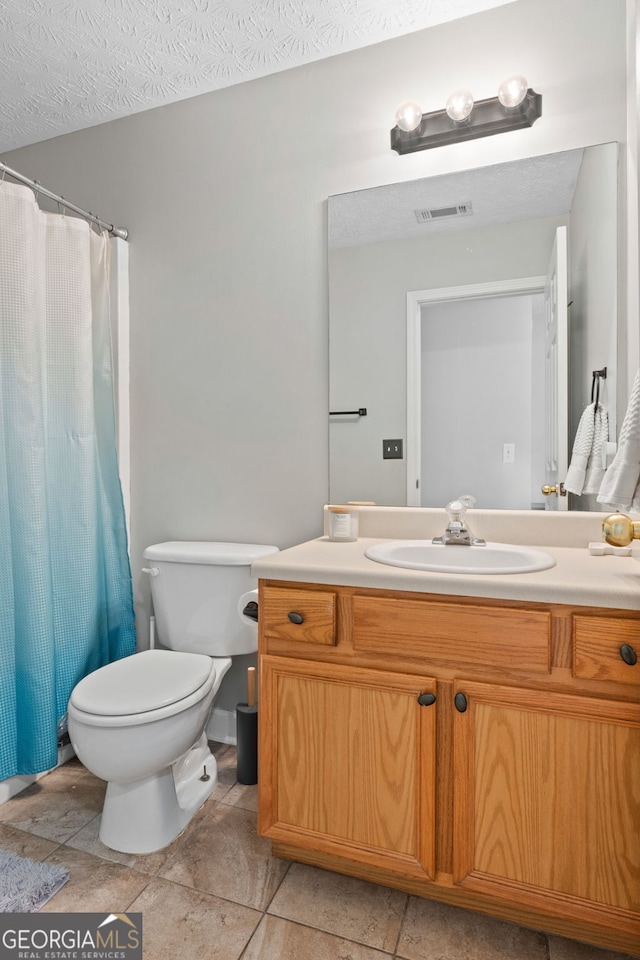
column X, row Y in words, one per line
column 457, row 508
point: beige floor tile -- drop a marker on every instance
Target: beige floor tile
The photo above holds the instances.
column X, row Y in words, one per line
column 242, row 795
column 88, row 840
column 223, row 855
column 344, row 906
column 225, row 754
column 25, row 844
column 277, row 939
column 58, row 805
column 436, row 931
column 94, row 885
column 225, row 757
column 563, row 949
column 183, row 924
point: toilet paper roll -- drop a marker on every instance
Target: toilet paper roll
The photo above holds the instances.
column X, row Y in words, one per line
column 251, row 596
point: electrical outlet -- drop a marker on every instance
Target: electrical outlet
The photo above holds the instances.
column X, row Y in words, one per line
column 392, row 449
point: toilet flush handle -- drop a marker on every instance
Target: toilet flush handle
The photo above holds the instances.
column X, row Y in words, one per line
column 152, row 571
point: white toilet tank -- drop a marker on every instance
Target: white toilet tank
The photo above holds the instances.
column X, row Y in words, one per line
column 198, row 590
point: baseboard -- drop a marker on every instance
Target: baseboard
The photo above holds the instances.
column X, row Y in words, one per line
column 222, row 726
column 14, row 785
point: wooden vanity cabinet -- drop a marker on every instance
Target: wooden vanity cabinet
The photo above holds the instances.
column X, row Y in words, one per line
column 546, row 801
column 352, row 758
column 482, row 753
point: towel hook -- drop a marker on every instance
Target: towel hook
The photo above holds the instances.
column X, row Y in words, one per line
column 597, row 376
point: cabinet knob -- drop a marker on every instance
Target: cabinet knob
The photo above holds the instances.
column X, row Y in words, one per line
column 460, row 702
column 426, row 699
column 628, row 654
column 295, row 617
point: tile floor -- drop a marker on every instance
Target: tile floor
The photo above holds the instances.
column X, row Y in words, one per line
column 217, row 893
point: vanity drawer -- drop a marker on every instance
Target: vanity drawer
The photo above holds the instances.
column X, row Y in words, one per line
column 600, row 646
column 482, row 636
column 306, row 616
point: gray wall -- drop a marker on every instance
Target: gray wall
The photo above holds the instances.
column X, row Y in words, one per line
column 594, row 281
column 225, row 197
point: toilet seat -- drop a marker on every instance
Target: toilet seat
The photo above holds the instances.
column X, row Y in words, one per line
column 144, row 687
column 141, row 682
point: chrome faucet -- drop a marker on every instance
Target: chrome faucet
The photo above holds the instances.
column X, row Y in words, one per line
column 458, row 531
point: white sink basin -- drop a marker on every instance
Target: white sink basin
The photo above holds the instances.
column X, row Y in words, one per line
column 453, row 558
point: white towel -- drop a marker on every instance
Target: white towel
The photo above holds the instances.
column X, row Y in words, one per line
column 586, row 470
column 620, row 485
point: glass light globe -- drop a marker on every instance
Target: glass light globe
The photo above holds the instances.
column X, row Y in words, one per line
column 409, row 115
column 459, row 105
column 512, row 91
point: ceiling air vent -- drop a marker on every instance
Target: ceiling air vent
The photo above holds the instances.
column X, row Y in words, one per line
column 444, row 213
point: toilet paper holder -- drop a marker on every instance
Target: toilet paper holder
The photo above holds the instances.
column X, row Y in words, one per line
column 251, row 610
column 248, row 607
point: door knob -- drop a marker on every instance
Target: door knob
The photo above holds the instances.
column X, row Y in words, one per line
column 556, row 488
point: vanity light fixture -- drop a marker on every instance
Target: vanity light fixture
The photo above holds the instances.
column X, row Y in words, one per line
column 516, row 106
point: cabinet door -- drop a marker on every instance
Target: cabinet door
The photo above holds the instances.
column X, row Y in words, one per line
column 547, row 802
column 347, row 763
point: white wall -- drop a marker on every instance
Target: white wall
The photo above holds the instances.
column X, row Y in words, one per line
column 225, row 198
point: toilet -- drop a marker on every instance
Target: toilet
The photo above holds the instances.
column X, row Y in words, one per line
column 139, row 722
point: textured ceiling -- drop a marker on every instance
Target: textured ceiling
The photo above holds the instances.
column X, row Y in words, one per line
column 70, row 64
column 506, row 192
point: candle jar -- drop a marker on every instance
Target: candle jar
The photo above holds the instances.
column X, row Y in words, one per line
column 342, row 523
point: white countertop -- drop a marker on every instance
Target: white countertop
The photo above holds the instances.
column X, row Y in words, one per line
column 578, row 578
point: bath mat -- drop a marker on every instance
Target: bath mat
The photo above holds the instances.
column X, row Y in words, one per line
column 26, row 885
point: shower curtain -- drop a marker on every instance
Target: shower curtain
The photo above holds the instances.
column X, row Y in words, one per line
column 65, row 583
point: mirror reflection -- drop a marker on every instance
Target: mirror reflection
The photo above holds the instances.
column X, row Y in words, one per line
column 440, row 293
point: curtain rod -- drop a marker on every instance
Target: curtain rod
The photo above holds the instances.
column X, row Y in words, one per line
column 121, row 232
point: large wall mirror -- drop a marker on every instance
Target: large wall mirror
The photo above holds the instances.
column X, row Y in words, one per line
column 465, row 258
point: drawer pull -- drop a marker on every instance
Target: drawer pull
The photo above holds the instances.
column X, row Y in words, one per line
column 460, row 702
column 426, row 699
column 628, row 654
column 295, row 617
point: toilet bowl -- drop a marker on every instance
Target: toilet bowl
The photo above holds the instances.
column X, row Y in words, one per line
column 139, row 724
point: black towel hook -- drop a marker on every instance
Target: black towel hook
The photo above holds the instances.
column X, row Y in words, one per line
column 597, row 376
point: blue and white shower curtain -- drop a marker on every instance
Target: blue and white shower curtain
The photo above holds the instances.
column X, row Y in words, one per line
column 65, row 583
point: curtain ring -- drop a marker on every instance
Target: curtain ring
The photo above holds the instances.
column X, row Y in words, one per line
column 37, row 185
column 62, row 210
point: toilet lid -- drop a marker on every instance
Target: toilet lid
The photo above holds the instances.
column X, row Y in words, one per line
column 208, row 552
column 144, row 681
